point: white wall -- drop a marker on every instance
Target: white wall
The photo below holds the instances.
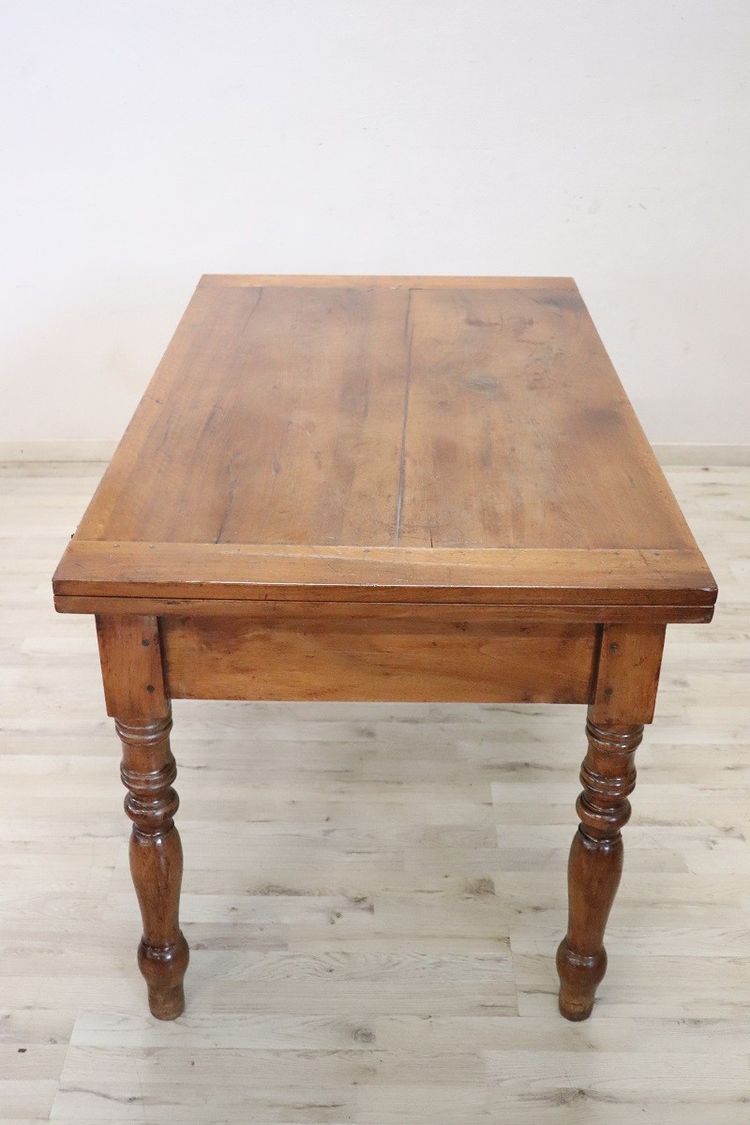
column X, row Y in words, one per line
column 148, row 141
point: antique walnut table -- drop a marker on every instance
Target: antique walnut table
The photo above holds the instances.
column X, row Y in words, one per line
column 383, row 488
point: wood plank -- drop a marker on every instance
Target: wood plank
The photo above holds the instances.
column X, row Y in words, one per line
column 628, row 674
column 240, row 607
column 131, row 664
column 519, row 433
column 279, row 421
column 307, row 654
column 298, row 416
column 508, row 577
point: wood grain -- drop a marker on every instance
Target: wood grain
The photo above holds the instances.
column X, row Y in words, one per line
column 627, row 678
column 519, row 434
column 323, row 429
column 519, row 614
column 304, row 653
column 131, row 662
column 492, row 577
column 595, row 862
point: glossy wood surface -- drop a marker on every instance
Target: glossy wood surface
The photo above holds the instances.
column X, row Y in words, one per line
column 134, row 690
column 382, row 439
column 595, row 862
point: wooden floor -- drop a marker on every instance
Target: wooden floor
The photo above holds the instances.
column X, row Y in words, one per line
column 373, row 894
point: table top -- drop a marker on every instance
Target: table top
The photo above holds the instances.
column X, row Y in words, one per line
column 404, row 439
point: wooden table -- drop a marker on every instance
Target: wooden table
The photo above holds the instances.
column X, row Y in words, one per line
column 383, row 489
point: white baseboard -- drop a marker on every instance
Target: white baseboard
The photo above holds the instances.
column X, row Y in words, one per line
column 56, row 450
column 668, row 454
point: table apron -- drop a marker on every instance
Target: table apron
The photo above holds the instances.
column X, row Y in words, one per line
column 431, row 654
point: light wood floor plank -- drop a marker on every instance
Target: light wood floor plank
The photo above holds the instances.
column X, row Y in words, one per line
column 373, row 893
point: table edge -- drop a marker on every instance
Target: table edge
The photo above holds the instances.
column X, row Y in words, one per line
column 376, row 281
column 523, row 577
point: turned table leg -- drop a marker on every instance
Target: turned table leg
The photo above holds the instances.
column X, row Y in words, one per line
column 595, row 864
column 148, row 770
column 136, row 697
column 623, row 698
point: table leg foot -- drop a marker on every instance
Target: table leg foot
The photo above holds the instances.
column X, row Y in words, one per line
column 595, row 864
column 580, row 977
column 148, row 770
column 166, row 1001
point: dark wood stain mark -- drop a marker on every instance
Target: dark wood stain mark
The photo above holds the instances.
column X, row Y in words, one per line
column 558, row 299
column 477, row 322
column 488, row 384
column 233, row 481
